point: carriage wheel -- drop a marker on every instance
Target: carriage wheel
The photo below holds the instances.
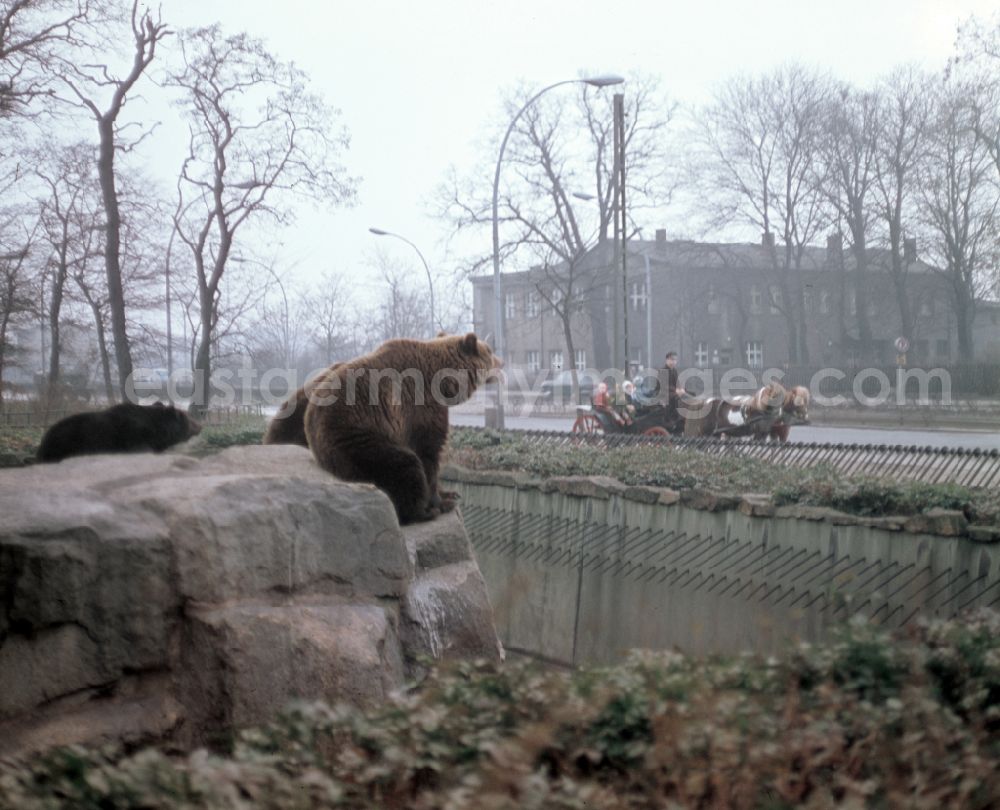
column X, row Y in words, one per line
column 658, row 430
column 588, row 424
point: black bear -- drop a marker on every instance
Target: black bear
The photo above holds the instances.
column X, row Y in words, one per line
column 124, row 428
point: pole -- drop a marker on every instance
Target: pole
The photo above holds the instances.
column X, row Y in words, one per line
column 430, row 281
column 170, row 337
column 618, row 249
column 619, row 122
column 427, row 269
column 649, row 312
column 498, row 312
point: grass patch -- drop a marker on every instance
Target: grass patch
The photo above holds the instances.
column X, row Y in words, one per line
column 864, row 721
column 18, row 445
column 680, row 468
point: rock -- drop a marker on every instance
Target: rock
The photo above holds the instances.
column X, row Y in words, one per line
column 643, row 494
column 585, row 486
column 708, row 501
column 438, row 542
column 804, row 512
column 212, row 592
column 757, row 505
column 946, row 522
column 446, row 614
column 891, row 523
column 247, row 661
column 984, row 534
column 668, row 497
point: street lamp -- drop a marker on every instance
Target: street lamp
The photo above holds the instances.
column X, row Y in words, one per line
column 499, row 347
column 286, row 321
column 430, row 281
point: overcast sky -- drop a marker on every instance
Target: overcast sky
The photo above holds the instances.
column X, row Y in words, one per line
column 419, row 82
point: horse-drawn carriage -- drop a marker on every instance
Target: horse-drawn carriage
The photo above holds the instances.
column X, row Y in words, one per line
column 651, row 420
column 629, row 412
column 770, row 413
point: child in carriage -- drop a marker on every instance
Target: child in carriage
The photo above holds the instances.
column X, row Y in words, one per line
column 608, row 403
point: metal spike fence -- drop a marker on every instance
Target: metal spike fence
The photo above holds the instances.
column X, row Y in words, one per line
column 968, row 467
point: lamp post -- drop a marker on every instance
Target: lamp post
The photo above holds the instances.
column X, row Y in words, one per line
column 286, row 320
column 499, row 343
column 430, row 281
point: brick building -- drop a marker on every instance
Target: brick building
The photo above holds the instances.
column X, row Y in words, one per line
column 726, row 305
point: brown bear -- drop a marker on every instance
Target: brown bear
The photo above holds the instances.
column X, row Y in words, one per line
column 289, row 425
column 383, row 417
column 124, row 428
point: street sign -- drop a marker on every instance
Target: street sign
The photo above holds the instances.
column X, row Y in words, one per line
column 902, row 345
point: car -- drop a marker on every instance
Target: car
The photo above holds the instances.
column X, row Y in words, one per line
column 559, row 387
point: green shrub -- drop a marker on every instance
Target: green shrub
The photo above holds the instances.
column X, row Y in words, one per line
column 863, row 721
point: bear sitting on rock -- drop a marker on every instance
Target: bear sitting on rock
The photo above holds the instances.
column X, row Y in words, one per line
column 383, row 418
column 124, row 428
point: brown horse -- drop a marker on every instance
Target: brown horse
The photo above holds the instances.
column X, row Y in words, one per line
column 740, row 416
column 794, row 411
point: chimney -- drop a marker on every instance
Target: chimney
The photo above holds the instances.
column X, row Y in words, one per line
column 767, row 240
column 661, row 236
column 910, row 250
column 834, row 245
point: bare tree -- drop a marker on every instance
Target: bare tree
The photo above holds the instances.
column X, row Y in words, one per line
column 760, row 139
column 847, row 173
column 17, row 284
column 32, row 34
column 86, row 83
column 402, row 308
column 257, row 138
column 68, row 221
column 960, row 205
column 563, row 146
column 900, row 144
column 330, row 313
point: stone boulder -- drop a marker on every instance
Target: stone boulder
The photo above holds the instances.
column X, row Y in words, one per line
column 166, row 598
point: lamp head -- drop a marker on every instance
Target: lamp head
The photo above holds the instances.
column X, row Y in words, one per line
column 603, row 81
column 378, row 232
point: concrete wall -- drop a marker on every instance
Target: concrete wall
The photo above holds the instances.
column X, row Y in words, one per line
column 581, row 570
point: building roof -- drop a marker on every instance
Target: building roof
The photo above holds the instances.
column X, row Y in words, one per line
column 734, row 256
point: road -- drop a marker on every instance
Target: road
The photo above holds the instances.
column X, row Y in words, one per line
column 843, row 435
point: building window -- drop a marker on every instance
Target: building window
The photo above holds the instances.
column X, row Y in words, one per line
column 531, row 304
column 701, row 355
column 637, row 295
column 872, row 308
column 927, row 308
column 531, row 360
column 824, row 302
column 852, row 303
column 713, row 301
column 755, row 354
column 555, row 360
column 556, row 297
column 777, row 302
column 756, row 301
column 943, row 347
column 581, row 359
column 510, row 305
column 807, row 300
